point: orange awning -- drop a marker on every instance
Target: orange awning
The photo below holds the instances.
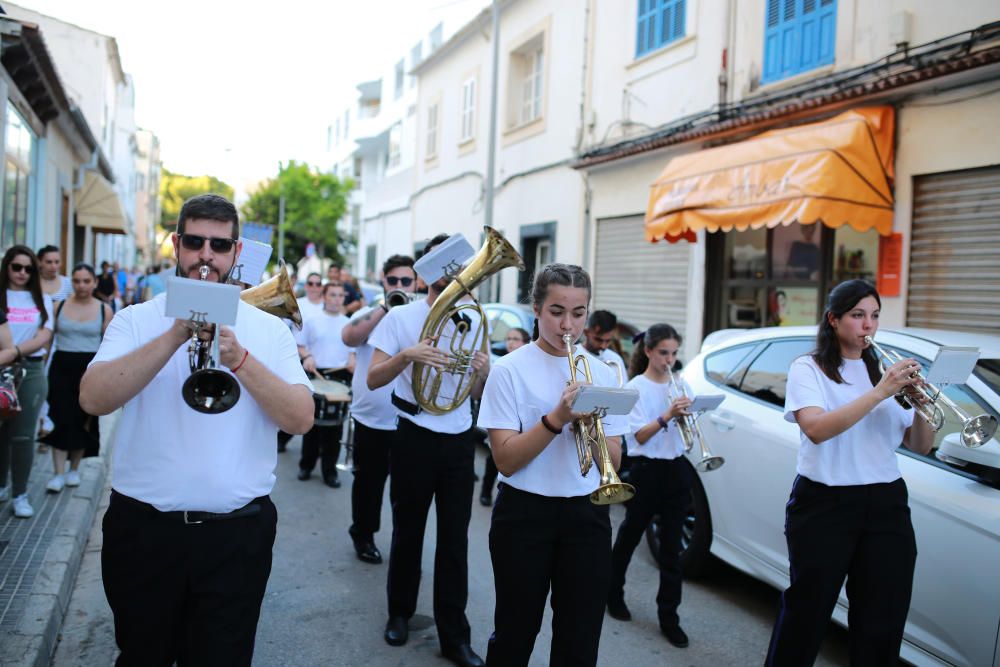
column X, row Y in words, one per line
column 837, row 172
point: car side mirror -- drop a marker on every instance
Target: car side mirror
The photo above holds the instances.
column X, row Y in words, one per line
column 952, row 451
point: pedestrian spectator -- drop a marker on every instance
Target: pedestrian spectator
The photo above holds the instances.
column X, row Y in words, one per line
column 107, row 285
column 121, row 282
column 333, row 273
column 516, row 337
column 80, row 322
column 154, row 284
column 54, row 284
column 29, row 314
column 132, row 286
column 354, row 300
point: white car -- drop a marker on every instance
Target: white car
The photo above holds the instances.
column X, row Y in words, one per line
column 738, row 510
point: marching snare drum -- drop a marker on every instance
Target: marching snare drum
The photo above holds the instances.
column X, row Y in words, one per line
column 332, row 399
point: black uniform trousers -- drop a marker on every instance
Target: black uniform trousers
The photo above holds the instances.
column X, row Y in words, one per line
column 185, row 593
column 489, row 475
column 864, row 533
column 662, row 486
column 426, row 466
column 537, row 543
column 322, row 442
column 371, row 468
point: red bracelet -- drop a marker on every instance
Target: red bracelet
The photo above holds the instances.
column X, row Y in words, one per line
column 549, row 427
column 246, row 353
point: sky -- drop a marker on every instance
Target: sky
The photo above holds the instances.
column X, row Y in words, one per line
column 232, row 88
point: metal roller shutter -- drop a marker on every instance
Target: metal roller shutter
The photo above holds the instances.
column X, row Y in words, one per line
column 640, row 282
column 955, row 251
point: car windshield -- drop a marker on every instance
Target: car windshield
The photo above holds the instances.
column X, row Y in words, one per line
column 988, row 370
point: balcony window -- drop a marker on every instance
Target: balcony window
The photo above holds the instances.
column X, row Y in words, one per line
column 432, row 131
column 468, row 109
column 659, row 23
column 395, row 145
column 799, row 35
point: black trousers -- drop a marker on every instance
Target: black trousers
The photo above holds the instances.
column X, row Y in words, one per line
column 371, row 468
column 661, row 487
column 861, row 532
column 426, row 466
column 185, row 593
column 489, row 475
column 537, row 543
column 322, row 442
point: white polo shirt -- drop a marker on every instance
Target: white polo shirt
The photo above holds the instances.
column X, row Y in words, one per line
column 864, row 453
column 321, row 336
column 523, row 386
column 175, row 458
column 653, row 402
column 400, row 329
column 373, row 408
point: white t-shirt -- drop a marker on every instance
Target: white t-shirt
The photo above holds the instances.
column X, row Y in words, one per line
column 372, row 408
column 400, row 329
column 307, row 310
column 523, row 386
column 864, row 453
column 23, row 316
column 175, row 458
column 654, row 399
column 321, row 336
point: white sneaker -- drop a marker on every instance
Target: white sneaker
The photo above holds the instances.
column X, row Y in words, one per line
column 22, row 508
column 4, row 494
column 73, row 478
column 56, row 484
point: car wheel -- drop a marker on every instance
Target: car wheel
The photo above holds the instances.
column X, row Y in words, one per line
column 696, row 534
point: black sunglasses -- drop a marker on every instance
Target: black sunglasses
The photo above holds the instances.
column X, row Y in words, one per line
column 18, row 268
column 310, row 283
column 394, row 280
column 197, row 242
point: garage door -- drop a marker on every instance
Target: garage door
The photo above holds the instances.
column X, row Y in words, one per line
column 640, row 282
column 954, row 251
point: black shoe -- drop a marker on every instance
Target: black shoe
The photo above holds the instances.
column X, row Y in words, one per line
column 463, row 655
column 397, row 631
column 304, row 474
column 486, row 499
column 368, row 552
column 675, row 635
column 618, row 610
column 332, row 481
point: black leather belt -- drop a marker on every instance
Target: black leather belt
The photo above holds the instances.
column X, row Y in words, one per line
column 411, row 409
column 252, row 508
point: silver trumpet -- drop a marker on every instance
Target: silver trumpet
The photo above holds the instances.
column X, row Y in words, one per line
column 976, row 431
column 689, row 428
column 207, row 389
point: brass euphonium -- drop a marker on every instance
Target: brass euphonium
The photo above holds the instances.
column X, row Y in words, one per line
column 209, row 389
column 496, row 254
column 611, row 489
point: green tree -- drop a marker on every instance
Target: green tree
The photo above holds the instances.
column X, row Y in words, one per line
column 314, row 203
column 175, row 189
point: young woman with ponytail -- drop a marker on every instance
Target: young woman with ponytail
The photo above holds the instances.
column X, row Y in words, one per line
column 847, row 515
column 659, row 473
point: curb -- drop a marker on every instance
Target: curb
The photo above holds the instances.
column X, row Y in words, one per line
column 32, row 643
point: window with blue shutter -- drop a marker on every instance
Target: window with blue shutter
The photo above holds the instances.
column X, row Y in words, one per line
column 659, row 23
column 799, row 35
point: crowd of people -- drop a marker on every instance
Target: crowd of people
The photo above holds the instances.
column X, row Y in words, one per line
column 189, row 531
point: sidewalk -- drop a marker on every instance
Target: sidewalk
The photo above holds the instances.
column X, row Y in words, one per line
column 40, row 557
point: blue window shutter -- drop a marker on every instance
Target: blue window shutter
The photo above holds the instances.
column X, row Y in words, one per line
column 799, row 35
column 646, row 29
column 659, row 22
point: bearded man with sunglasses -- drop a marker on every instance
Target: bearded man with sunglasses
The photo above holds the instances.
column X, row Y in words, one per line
column 190, row 527
column 373, row 414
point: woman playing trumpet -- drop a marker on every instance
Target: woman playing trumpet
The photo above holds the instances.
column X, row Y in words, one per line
column 847, row 515
column 659, row 473
column 545, row 532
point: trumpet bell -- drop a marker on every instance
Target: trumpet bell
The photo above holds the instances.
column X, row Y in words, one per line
column 275, row 296
column 612, row 492
column 709, row 463
column 978, row 430
column 210, row 391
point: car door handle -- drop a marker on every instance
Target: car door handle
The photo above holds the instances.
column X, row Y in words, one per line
column 721, row 422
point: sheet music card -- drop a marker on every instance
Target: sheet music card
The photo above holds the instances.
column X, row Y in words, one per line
column 201, row 300
column 445, row 259
column 952, row 365
column 252, row 262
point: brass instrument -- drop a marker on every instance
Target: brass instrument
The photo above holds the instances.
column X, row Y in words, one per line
column 398, row 297
column 689, row 428
column 496, row 254
column 611, row 489
column 209, row 389
column 976, row 431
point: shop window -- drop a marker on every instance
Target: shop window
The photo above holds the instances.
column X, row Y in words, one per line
column 799, row 35
column 20, row 150
column 856, row 255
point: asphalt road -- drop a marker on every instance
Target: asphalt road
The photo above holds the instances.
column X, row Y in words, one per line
column 323, row 606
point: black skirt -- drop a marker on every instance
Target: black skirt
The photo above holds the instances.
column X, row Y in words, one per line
column 74, row 428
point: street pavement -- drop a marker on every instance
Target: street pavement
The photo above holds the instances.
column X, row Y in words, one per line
column 324, row 607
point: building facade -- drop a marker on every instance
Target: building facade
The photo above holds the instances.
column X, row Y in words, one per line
column 148, row 172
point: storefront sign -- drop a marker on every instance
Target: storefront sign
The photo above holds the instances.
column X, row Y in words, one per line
column 890, row 264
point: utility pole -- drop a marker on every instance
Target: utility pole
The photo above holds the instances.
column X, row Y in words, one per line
column 281, row 227
column 491, row 152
